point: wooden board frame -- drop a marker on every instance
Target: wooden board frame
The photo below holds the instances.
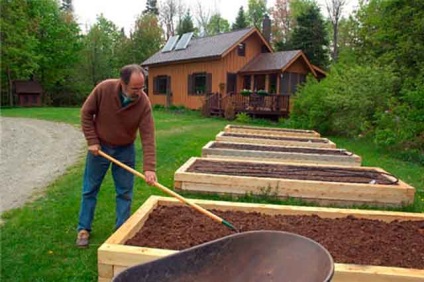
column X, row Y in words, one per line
column 323, row 192
column 349, row 159
column 328, row 143
column 114, row 256
column 271, row 131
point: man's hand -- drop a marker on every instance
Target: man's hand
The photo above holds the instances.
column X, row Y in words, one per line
column 150, row 177
column 94, row 149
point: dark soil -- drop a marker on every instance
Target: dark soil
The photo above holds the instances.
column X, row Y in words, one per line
column 253, row 136
column 348, row 239
column 274, row 129
column 319, row 173
column 235, row 146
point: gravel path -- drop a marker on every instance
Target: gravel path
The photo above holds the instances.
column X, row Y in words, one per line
column 33, row 154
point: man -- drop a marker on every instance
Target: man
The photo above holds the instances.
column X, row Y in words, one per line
column 110, row 118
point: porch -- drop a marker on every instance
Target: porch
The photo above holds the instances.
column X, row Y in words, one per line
column 270, row 106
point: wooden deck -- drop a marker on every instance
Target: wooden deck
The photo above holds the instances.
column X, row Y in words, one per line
column 272, row 105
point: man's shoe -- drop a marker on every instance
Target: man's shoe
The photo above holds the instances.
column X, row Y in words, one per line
column 82, row 239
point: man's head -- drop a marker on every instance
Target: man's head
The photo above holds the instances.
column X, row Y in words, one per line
column 132, row 80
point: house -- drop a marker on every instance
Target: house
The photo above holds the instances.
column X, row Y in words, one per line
column 28, row 92
column 186, row 70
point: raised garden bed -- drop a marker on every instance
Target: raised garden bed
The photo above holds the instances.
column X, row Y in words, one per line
column 310, row 142
column 317, row 183
column 369, row 246
column 244, row 129
column 228, row 150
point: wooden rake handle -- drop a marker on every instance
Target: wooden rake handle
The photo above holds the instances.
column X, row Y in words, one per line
column 168, row 191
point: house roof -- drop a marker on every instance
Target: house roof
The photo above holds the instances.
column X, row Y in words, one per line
column 270, row 61
column 278, row 61
column 202, row 48
column 27, row 87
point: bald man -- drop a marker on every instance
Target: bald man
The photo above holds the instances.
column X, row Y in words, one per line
column 110, row 117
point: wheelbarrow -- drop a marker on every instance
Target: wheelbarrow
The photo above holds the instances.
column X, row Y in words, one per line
column 259, row 256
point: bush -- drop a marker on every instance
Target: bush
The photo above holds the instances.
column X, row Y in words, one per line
column 243, row 118
column 246, row 92
column 348, row 102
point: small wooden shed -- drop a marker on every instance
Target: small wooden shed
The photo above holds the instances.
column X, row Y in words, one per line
column 28, row 92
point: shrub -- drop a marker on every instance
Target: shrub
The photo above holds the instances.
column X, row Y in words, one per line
column 243, row 118
column 348, row 102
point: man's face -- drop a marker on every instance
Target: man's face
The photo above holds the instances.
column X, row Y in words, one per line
column 134, row 87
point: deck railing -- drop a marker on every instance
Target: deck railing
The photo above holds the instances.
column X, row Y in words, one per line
column 272, row 104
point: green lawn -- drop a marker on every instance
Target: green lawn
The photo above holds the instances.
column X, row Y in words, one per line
column 37, row 241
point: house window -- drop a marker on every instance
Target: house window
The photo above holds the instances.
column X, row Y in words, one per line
column 162, row 84
column 241, row 49
column 247, row 82
column 199, row 83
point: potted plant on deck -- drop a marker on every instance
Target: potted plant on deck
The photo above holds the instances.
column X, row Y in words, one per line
column 246, row 92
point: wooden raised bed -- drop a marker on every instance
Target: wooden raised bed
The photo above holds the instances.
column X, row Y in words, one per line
column 272, row 153
column 310, row 142
column 114, row 256
column 323, row 184
column 244, row 129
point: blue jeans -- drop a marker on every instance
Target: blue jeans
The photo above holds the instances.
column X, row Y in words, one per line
column 95, row 171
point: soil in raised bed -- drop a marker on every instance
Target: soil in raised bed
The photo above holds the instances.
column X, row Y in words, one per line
column 253, row 136
column 318, row 173
column 236, row 146
column 273, row 129
column 348, row 239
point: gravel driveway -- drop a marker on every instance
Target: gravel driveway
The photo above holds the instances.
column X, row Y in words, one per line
column 33, row 154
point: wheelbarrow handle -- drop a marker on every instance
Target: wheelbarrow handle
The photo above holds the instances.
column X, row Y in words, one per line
column 169, row 192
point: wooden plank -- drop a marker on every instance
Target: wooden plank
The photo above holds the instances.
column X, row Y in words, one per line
column 220, row 137
column 122, row 256
column 270, row 131
column 310, row 190
column 349, row 159
column 105, row 270
column 133, row 224
column 352, row 272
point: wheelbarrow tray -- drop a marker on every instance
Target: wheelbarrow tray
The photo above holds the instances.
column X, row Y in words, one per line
column 249, row 256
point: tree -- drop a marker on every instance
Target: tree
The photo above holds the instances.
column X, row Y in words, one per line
column 281, row 22
column 217, row 25
column 334, row 9
column 151, row 7
column 310, row 36
column 240, row 21
column 19, row 58
column 99, row 51
column 186, row 24
column 146, row 39
column 256, row 11
column 169, row 12
column 202, row 16
column 67, row 6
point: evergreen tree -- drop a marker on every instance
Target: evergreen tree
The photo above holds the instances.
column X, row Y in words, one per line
column 67, row 6
column 186, row 24
column 311, row 37
column 240, row 21
column 151, row 7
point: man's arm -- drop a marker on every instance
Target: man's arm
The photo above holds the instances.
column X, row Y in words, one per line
column 148, row 143
column 88, row 112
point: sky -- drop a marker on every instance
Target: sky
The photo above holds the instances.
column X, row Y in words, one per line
column 124, row 12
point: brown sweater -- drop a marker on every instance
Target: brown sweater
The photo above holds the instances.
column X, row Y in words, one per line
column 105, row 121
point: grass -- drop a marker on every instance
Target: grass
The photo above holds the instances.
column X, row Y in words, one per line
column 37, row 240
